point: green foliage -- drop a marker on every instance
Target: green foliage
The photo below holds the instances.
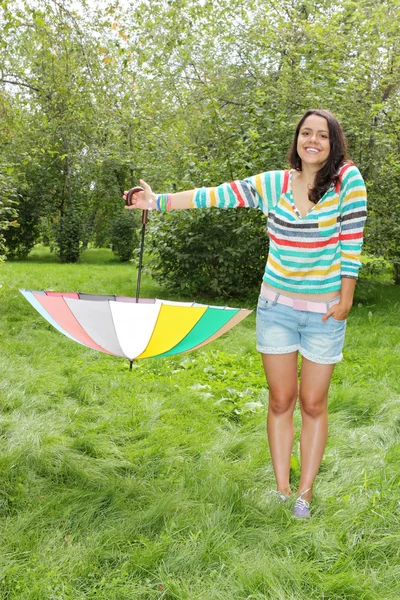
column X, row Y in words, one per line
column 376, row 269
column 7, row 208
column 383, row 226
column 93, row 97
column 217, row 253
column 68, row 236
column 40, row 193
column 124, row 234
column 50, row 60
column 108, row 181
column 21, row 238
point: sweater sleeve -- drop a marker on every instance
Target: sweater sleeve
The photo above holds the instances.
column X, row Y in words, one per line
column 259, row 191
column 353, row 199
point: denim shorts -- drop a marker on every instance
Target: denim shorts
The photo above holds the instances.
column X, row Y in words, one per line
column 282, row 329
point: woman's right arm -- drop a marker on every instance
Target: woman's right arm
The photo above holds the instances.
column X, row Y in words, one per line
column 259, row 191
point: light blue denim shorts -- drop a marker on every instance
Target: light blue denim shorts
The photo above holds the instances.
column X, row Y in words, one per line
column 282, row 329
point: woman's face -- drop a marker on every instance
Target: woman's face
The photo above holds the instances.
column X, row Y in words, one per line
column 313, row 144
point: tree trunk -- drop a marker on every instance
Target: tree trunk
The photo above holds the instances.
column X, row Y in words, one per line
column 396, row 267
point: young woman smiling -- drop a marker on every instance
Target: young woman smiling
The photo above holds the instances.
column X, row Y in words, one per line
column 316, row 213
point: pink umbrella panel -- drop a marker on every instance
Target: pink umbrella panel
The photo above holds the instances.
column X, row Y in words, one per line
column 121, row 326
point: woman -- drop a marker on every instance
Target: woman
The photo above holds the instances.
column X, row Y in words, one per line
column 316, row 214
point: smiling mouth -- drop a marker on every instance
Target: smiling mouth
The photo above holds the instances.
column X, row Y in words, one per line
column 312, row 150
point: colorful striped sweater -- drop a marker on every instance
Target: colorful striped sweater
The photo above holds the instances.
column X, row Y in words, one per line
column 307, row 254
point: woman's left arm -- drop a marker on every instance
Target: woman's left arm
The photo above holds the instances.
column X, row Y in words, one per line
column 341, row 310
column 353, row 200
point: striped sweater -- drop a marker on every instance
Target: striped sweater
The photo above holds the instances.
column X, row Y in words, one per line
column 307, row 254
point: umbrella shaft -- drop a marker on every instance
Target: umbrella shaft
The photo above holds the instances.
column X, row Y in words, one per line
column 140, row 262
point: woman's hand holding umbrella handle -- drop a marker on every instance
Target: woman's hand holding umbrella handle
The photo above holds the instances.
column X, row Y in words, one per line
column 144, row 198
column 140, row 197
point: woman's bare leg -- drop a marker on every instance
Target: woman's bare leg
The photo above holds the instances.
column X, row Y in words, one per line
column 281, row 374
column 314, row 386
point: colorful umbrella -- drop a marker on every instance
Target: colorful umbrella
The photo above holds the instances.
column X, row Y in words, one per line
column 134, row 329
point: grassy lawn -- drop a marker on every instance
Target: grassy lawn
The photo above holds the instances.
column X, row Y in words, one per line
column 156, row 484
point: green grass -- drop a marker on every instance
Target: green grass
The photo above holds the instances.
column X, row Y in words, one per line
column 155, row 484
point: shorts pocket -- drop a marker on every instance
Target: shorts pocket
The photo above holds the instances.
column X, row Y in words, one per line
column 264, row 303
column 337, row 320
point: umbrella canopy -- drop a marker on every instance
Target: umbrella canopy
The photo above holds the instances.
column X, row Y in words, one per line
column 123, row 327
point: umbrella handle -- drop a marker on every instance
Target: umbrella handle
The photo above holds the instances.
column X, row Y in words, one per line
column 130, row 193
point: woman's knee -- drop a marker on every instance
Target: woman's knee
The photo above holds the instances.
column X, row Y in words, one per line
column 281, row 402
column 313, row 406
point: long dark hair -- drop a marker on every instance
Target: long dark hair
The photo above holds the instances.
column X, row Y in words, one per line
column 328, row 174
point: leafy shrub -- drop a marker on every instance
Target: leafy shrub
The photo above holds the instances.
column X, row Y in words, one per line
column 124, row 234
column 7, row 212
column 68, row 236
column 382, row 232
column 40, row 196
column 209, row 251
column 377, row 269
column 21, row 238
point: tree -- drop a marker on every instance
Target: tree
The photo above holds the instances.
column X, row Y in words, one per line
column 8, row 192
column 7, row 210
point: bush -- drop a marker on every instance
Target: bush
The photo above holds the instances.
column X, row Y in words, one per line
column 69, row 236
column 209, row 251
column 21, row 238
column 124, row 234
column 7, row 211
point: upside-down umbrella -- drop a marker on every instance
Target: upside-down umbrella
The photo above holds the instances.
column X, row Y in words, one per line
column 134, row 328
column 121, row 326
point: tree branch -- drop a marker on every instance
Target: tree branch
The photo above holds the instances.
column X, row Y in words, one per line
column 27, row 85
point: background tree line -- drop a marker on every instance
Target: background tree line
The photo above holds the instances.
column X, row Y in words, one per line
column 186, row 93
